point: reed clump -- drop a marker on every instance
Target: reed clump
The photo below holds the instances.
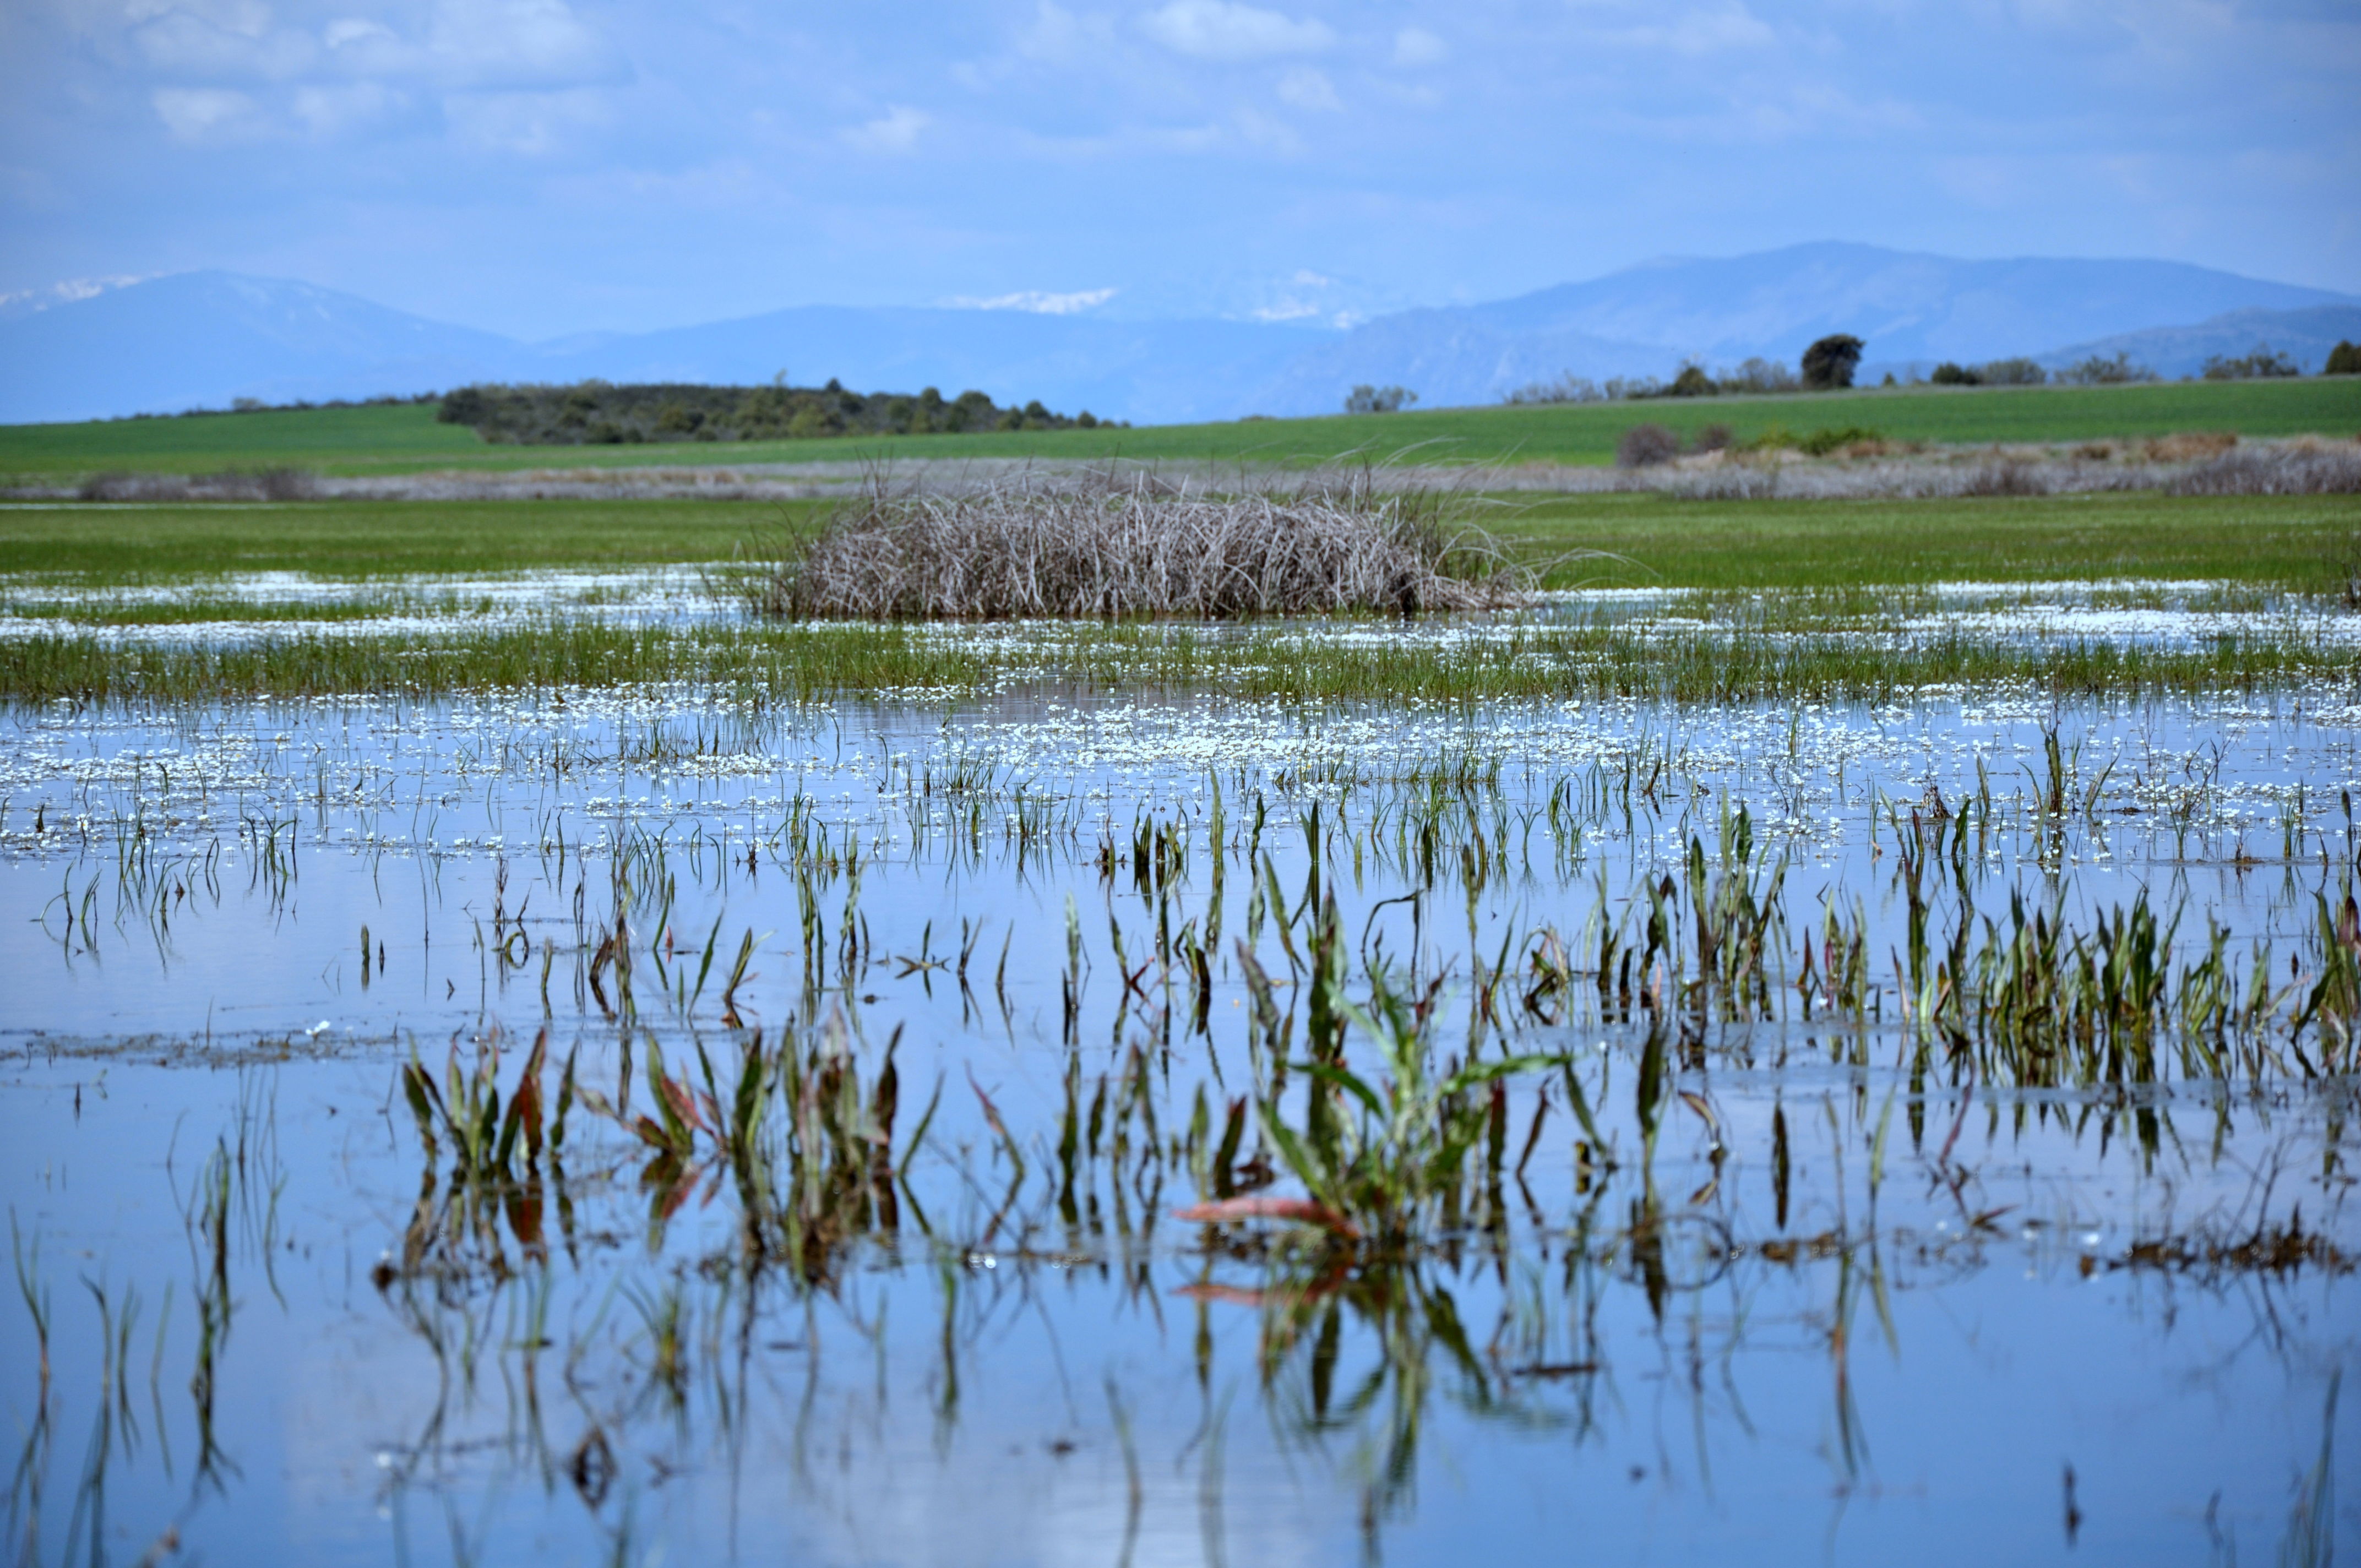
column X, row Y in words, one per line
column 2294, row 469
column 1109, row 544
column 230, row 485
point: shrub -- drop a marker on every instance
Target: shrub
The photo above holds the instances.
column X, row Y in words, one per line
column 2018, row 372
column 1367, row 399
column 2283, row 471
column 2344, row 359
column 1713, row 438
column 1828, row 364
column 1568, row 387
column 2007, row 477
column 2101, row 371
column 1821, row 442
column 1645, row 446
column 1758, row 376
column 2259, row 364
column 1109, row 545
column 466, row 406
column 1950, row 375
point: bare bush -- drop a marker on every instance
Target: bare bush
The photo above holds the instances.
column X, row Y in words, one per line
column 1758, row 376
column 1367, row 399
column 2279, row 471
column 2262, row 363
column 1568, row 387
column 1105, row 544
column 1645, row 446
column 2188, row 445
column 2007, row 477
column 230, row 485
column 2099, row 370
column 1727, row 482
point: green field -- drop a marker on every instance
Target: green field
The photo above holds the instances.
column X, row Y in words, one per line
column 406, row 439
column 2295, row 542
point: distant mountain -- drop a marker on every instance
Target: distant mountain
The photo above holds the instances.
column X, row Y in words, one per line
column 1904, row 306
column 1647, row 320
column 203, row 338
column 2304, row 335
column 1447, row 357
column 1160, row 372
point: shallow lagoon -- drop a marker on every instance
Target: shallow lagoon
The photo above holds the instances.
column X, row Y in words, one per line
column 1811, row 1263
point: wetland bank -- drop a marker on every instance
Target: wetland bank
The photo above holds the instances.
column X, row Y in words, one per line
column 1771, row 1056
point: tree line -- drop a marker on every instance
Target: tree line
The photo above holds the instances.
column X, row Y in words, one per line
column 589, row 413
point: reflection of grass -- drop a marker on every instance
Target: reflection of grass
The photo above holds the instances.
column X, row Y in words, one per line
column 1383, row 1155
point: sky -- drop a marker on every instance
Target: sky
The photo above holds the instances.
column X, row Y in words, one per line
column 540, row 167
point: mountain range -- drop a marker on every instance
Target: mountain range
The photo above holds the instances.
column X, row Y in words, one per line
column 200, row 339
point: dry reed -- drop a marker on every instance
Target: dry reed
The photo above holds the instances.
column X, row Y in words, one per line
column 1115, row 544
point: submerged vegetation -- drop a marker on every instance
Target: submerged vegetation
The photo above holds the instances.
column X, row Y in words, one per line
column 708, row 1055
column 1701, row 647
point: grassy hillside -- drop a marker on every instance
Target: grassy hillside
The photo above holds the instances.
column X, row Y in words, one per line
column 2299, row 542
column 405, row 438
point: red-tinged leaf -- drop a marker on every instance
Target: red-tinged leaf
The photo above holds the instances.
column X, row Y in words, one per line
column 524, row 1217
column 1296, row 1210
column 991, row 1112
column 527, row 1106
column 652, row 1135
column 674, row 1195
column 1236, row 1295
column 682, row 1104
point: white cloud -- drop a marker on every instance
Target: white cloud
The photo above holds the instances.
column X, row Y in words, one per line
column 1308, row 88
column 1703, row 32
column 208, row 114
column 251, row 17
column 531, row 125
column 1035, row 301
column 518, row 43
column 28, row 302
column 183, row 45
column 1223, row 30
column 348, row 31
column 1058, row 36
column 324, row 111
column 896, row 131
column 1416, row 47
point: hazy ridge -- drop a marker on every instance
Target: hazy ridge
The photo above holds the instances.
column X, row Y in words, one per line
column 204, row 338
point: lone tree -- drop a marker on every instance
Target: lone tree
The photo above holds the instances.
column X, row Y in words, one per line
column 1828, row 364
column 1367, row 399
column 2344, row 359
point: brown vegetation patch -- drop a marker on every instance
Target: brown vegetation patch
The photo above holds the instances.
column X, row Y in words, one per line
column 1112, row 545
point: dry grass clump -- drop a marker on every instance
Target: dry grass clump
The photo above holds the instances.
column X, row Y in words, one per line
column 2190, row 446
column 230, row 485
column 1112, row 545
column 2297, row 469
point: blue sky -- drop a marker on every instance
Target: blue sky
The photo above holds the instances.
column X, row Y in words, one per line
column 539, row 166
